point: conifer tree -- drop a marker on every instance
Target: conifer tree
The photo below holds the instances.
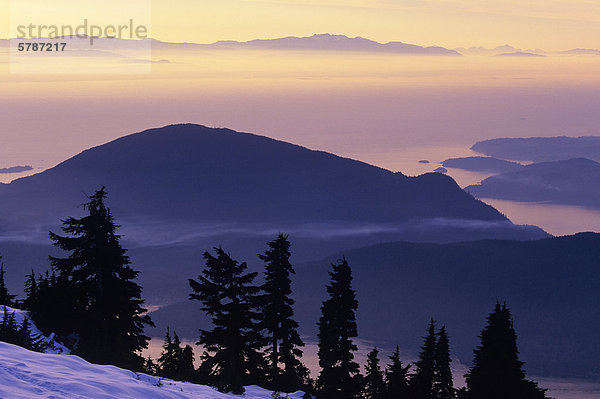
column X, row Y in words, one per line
column 166, row 361
column 186, row 369
column 231, row 358
column 396, row 378
column 176, row 362
column 12, row 333
column 443, row 385
column 374, row 383
column 339, row 378
column 6, row 299
column 28, row 340
column 421, row 382
column 286, row 372
column 497, row 372
column 50, row 304
column 105, row 301
column 8, row 327
column 150, row 366
column 31, row 291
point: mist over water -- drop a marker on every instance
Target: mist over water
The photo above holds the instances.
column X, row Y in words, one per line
column 555, row 219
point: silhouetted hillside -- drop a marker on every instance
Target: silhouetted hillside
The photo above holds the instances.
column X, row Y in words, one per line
column 194, row 173
column 481, row 164
column 552, row 286
column 571, row 182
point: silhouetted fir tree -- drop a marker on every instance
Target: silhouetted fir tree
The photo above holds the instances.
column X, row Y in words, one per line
column 166, row 361
column 6, row 299
column 150, row 366
column 232, row 355
column 286, row 372
column 396, row 378
column 50, row 305
column 176, row 362
column 374, row 383
column 28, row 340
column 8, row 328
column 31, row 291
column 106, row 303
column 421, row 382
column 497, row 372
column 12, row 333
column 186, row 368
column 443, row 385
column 339, row 378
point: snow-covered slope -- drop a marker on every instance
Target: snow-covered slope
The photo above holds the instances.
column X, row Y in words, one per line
column 56, row 374
column 26, row 374
column 20, row 315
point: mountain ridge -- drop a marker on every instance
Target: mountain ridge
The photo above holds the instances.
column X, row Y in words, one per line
column 170, row 158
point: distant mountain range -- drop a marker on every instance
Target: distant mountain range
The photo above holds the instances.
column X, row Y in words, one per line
column 317, row 42
column 337, row 43
column 320, row 42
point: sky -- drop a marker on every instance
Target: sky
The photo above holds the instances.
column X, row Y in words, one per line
column 548, row 24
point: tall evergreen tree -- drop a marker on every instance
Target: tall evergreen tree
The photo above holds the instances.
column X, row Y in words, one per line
column 497, row 372
column 443, row 385
column 106, row 302
column 166, row 362
column 374, row 383
column 6, row 299
column 286, row 371
column 396, row 378
column 339, row 378
column 421, row 382
column 231, row 356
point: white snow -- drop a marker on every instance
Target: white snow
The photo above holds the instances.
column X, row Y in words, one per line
column 26, row 374
column 56, row 374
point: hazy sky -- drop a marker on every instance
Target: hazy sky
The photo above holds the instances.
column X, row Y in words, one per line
column 549, row 24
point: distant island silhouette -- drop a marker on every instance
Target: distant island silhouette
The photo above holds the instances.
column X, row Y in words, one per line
column 571, row 182
column 540, row 149
column 520, row 54
column 16, row 169
column 481, row 164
